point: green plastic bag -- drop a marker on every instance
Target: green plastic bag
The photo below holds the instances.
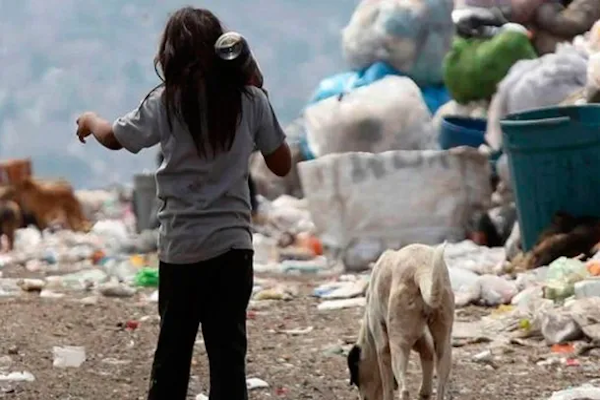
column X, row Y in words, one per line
column 147, row 277
column 474, row 67
column 563, row 273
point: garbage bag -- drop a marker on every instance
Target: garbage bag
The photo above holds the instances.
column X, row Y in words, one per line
column 412, row 36
column 592, row 88
column 435, row 96
column 562, row 276
column 555, row 23
column 496, row 290
column 347, row 81
column 474, row 67
column 536, row 83
column 333, row 86
column 389, row 114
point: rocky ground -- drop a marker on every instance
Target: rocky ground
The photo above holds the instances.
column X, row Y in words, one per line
column 294, row 347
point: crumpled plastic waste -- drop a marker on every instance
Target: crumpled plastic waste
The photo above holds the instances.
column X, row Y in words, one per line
column 465, row 287
column 584, row 392
column 496, row 290
column 346, row 287
column 389, row 114
column 413, row 37
column 563, row 273
column 147, row 277
column 478, row 259
column 342, row 303
column 24, row 376
column 68, row 356
column 541, row 82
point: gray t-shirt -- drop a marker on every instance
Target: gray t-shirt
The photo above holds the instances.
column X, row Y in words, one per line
column 205, row 208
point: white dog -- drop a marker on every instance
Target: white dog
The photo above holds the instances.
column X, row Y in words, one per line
column 410, row 305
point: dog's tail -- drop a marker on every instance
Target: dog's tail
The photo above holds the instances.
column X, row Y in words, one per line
column 431, row 280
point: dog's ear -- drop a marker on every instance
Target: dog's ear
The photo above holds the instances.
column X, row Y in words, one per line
column 353, row 364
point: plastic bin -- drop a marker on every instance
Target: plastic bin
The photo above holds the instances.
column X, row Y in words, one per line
column 554, row 161
column 462, row 131
column 144, row 198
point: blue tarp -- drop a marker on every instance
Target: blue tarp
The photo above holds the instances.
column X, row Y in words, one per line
column 434, row 96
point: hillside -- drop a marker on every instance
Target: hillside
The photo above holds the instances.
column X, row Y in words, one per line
column 61, row 57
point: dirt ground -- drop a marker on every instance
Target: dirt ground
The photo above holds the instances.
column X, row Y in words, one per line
column 308, row 365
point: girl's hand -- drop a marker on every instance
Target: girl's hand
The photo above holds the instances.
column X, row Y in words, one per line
column 84, row 125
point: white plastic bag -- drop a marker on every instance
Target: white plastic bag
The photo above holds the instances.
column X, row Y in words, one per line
column 593, row 76
column 496, row 290
column 477, row 109
column 412, row 36
column 465, row 286
column 400, row 197
column 530, row 84
column 389, row 114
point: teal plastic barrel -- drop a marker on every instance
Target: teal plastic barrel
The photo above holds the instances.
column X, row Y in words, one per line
column 554, row 160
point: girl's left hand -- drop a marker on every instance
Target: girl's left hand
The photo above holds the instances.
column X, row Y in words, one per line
column 84, row 125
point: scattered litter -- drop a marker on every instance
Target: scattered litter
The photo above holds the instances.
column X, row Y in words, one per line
column 115, row 361
column 343, row 289
column 31, row 285
column 5, row 362
column 147, row 277
column 49, row 294
column 115, row 289
column 343, row 303
column 255, row 383
column 69, row 356
column 584, row 392
column 89, row 301
column 297, row 332
column 17, row 377
column 276, row 293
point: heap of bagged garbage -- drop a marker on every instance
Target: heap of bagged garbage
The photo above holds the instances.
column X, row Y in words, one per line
column 407, row 146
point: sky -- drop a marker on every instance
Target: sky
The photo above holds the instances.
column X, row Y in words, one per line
column 63, row 57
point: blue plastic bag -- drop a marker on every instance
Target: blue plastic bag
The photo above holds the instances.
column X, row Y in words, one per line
column 435, row 96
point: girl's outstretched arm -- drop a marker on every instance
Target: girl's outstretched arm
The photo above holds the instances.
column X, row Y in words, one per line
column 91, row 124
column 133, row 131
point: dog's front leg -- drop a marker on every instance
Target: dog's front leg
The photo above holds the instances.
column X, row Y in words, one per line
column 400, row 358
column 384, row 359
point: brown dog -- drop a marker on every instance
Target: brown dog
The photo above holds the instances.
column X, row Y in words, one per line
column 10, row 220
column 51, row 203
column 410, row 306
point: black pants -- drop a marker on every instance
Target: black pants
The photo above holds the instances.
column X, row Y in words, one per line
column 215, row 294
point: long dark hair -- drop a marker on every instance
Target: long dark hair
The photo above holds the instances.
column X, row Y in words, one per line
column 201, row 90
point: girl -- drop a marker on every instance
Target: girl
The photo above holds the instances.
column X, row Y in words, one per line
column 207, row 122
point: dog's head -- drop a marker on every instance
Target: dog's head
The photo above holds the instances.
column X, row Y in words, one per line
column 364, row 373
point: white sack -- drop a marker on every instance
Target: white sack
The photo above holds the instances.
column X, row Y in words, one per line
column 399, row 197
column 389, row 114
